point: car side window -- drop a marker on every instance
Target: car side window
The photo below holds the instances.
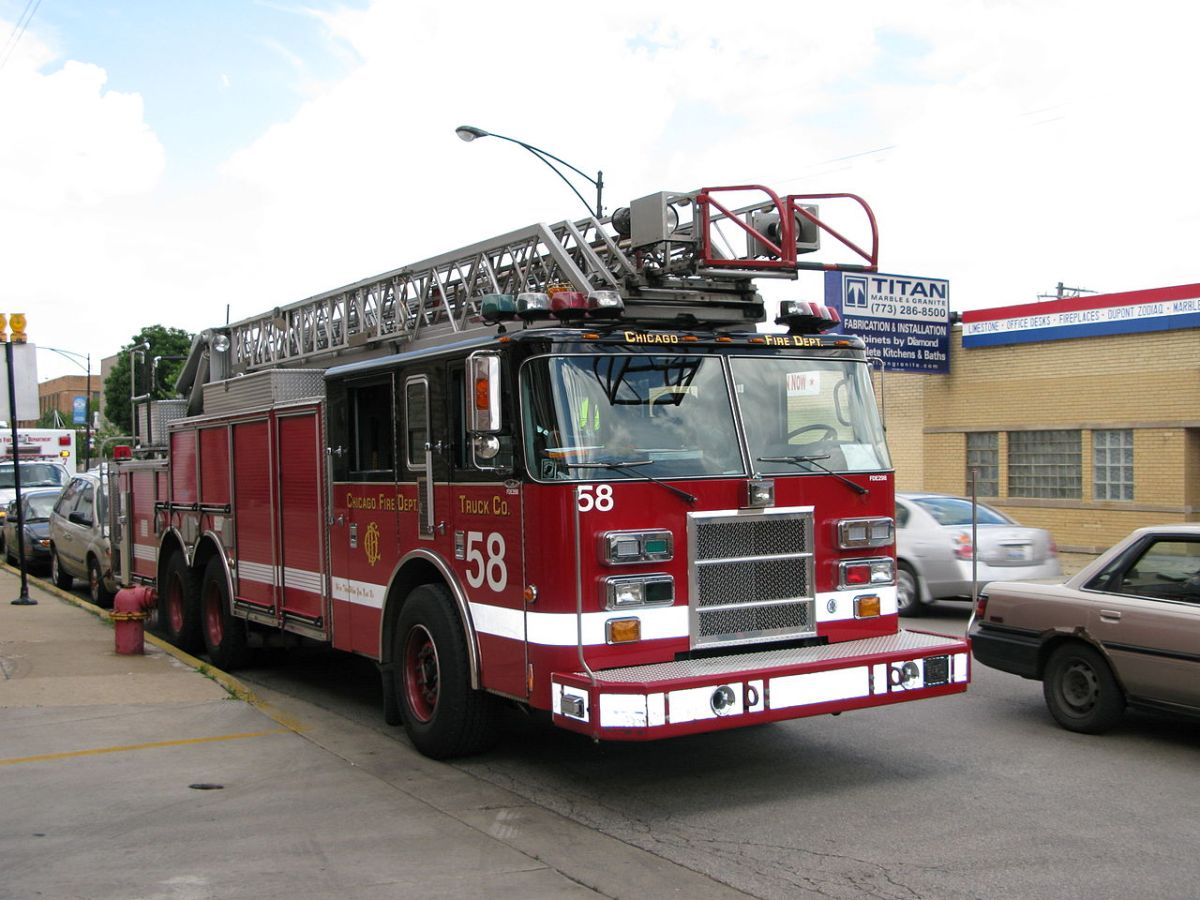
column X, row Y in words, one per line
column 66, row 503
column 1167, row 569
column 901, row 516
column 86, row 504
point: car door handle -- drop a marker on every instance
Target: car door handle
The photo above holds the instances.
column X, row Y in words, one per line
column 1110, row 615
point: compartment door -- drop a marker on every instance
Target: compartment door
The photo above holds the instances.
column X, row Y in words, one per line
column 302, row 519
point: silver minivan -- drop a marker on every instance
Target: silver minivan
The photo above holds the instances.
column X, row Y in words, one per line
column 79, row 542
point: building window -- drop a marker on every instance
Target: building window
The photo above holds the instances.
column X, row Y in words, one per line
column 1045, row 464
column 983, row 456
column 1112, row 464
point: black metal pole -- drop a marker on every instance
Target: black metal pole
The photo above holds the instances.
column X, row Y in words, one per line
column 87, row 426
column 24, row 599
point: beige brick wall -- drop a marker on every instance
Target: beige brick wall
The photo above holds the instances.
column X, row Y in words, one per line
column 1149, row 383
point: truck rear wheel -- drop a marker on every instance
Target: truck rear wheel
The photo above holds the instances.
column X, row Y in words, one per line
column 224, row 634
column 443, row 715
column 178, row 617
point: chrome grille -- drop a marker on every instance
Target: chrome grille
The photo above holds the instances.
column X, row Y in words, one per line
column 752, row 577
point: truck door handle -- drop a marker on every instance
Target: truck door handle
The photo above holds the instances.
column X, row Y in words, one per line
column 1110, row 615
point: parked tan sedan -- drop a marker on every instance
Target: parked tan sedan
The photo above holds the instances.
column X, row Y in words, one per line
column 1124, row 631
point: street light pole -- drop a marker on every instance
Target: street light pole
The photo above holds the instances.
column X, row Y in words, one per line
column 75, row 358
column 469, row 133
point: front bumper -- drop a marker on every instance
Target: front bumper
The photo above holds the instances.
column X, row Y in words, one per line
column 641, row 703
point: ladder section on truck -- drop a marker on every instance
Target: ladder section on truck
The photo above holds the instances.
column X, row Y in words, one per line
column 676, row 259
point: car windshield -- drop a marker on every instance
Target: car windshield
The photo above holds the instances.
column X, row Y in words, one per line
column 38, row 506
column 957, row 511
column 33, row 475
column 801, row 411
column 654, row 416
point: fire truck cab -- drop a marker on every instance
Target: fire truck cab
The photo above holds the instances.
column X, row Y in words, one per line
column 620, row 503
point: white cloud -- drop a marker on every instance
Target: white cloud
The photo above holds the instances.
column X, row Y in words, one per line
column 1006, row 146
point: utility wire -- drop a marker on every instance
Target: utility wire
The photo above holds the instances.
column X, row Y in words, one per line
column 31, row 7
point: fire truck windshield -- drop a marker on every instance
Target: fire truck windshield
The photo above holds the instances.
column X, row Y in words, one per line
column 671, row 416
column 797, row 409
column 669, row 413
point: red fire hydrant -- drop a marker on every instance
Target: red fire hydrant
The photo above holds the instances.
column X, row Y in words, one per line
column 128, row 617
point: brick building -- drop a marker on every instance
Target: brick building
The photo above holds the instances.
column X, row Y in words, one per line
column 60, row 393
column 1080, row 415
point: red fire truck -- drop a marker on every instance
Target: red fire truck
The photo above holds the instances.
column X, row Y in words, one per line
column 560, row 468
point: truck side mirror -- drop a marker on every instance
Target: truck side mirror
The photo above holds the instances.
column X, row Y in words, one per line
column 483, row 394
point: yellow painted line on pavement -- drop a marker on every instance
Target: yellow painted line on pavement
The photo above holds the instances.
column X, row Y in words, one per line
column 153, row 745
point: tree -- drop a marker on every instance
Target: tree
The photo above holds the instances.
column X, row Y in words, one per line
column 172, row 345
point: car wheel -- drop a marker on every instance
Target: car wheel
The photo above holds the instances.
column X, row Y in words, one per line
column 1080, row 690
column 224, row 634
column 908, row 592
column 99, row 593
column 177, row 618
column 443, row 714
column 9, row 556
column 57, row 575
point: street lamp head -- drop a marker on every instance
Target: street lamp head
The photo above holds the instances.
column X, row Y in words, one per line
column 468, row 133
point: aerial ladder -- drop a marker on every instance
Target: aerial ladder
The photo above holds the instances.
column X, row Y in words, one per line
column 687, row 259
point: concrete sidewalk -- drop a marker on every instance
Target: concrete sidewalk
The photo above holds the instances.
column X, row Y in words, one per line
column 138, row 776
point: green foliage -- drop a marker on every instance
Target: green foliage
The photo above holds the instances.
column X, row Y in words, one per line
column 164, row 342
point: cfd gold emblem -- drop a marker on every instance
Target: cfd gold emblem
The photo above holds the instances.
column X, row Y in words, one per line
column 371, row 543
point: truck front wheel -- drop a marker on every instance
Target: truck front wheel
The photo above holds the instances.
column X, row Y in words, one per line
column 443, row 715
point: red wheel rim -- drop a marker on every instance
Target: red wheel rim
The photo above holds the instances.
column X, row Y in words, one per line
column 421, row 673
column 175, row 604
column 214, row 626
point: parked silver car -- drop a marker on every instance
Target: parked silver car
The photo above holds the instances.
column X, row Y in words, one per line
column 79, row 543
column 933, row 550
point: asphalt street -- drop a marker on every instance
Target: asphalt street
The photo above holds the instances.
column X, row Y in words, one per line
column 979, row 795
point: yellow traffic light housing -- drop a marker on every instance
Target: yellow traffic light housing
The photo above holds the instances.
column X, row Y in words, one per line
column 17, row 321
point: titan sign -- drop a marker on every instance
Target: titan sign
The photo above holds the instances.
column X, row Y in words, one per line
column 905, row 321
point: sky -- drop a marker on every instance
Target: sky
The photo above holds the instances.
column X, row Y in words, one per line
column 178, row 163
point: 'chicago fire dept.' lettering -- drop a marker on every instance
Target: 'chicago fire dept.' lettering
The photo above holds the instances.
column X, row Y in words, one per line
column 384, row 502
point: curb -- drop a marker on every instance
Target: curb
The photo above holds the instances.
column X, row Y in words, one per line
column 232, row 686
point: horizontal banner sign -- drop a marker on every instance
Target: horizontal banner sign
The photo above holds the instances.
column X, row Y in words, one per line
column 905, row 321
column 1158, row 309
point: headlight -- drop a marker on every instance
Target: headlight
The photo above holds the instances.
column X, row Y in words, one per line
column 859, row 573
column 856, row 533
column 641, row 590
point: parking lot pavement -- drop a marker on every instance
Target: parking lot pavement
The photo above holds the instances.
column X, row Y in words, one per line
column 138, row 776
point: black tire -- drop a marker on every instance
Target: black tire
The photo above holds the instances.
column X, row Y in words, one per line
column 99, row 594
column 443, row 715
column 9, row 556
column 177, row 617
column 1081, row 691
column 908, row 591
column 60, row 578
column 224, row 633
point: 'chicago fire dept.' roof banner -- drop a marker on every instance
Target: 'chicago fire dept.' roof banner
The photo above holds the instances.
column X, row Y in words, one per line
column 1157, row 309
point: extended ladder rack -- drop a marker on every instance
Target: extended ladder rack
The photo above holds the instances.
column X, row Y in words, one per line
column 678, row 276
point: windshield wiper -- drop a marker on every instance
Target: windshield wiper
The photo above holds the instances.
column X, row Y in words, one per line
column 628, row 464
column 812, row 461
